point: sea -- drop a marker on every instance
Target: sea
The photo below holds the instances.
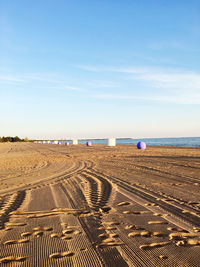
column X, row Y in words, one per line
column 178, row 141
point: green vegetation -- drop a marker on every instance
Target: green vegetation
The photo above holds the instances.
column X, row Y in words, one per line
column 12, row 139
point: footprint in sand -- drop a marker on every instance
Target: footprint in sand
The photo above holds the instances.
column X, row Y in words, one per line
column 189, row 242
column 105, row 209
column 77, row 232
column 64, row 224
column 108, row 244
column 176, row 229
column 106, row 228
column 109, row 240
column 12, row 242
column 15, row 224
column 127, row 212
column 157, row 234
column 154, row 245
column 135, row 212
column 157, row 214
column 66, row 237
column 196, row 229
column 12, row 259
column 106, row 235
column 145, row 233
column 114, row 235
column 61, row 255
column 8, row 228
column 157, row 222
column 132, row 226
column 131, row 212
column 193, row 242
column 38, row 233
column 133, row 234
column 150, row 204
column 83, row 249
column 129, row 227
column 185, row 211
column 144, row 211
column 181, row 243
column 139, row 233
column 163, row 257
column 180, row 235
column 83, row 215
column 26, row 234
column 56, row 235
column 124, row 203
column 67, row 231
column 43, row 228
column 193, row 203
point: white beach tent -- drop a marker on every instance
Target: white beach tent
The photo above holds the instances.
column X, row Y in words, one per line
column 111, row 142
column 75, row 142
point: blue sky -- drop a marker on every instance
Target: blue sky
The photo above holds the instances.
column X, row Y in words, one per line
column 89, row 69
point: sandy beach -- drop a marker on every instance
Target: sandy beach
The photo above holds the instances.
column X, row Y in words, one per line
column 99, row 206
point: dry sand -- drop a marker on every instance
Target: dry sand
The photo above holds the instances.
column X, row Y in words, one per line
column 99, row 206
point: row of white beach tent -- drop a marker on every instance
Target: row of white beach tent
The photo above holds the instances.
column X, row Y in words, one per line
column 110, row 142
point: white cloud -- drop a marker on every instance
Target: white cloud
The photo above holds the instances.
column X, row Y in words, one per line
column 11, row 79
column 176, row 86
column 165, row 78
column 171, row 80
column 32, row 77
column 39, row 81
column 67, row 87
column 184, row 99
column 103, row 84
column 113, row 69
column 161, row 85
column 90, row 68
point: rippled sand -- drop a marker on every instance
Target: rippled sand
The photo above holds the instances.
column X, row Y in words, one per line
column 99, row 205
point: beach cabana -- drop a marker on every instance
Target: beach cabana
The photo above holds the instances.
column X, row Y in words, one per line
column 75, row 141
column 111, row 142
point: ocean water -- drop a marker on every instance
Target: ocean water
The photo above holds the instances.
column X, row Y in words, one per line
column 180, row 141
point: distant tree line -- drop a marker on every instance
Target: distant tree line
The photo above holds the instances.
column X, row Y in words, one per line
column 12, row 139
